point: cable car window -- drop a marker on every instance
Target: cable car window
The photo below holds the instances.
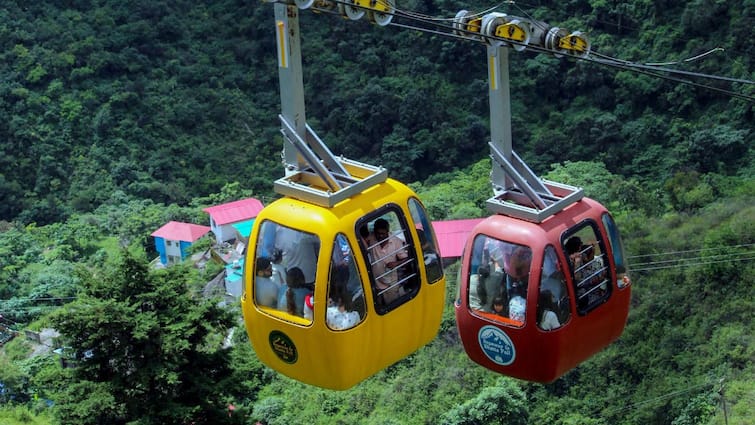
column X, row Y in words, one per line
column 498, row 289
column 426, row 234
column 346, row 307
column 298, row 258
column 617, row 247
column 391, row 259
column 588, row 265
column 553, row 309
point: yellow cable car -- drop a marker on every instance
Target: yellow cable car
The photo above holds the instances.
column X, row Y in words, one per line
column 342, row 277
column 363, row 288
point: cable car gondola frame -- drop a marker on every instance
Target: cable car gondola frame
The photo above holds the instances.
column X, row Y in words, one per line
column 536, row 218
column 327, row 200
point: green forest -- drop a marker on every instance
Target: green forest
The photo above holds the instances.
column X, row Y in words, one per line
column 120, row 116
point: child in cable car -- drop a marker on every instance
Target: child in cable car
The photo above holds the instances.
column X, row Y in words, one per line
column 292, row 294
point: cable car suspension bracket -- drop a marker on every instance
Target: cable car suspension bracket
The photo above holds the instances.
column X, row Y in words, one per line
column 327, row 179
column 523, row 200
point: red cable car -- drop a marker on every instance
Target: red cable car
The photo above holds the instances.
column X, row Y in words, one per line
column 543, row 282
column 536, row 299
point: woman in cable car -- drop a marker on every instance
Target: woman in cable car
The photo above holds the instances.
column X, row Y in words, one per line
column 560, row 285
column 365, row 298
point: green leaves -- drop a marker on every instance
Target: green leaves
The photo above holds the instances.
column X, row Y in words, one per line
column 143, row 343
column 503, row 403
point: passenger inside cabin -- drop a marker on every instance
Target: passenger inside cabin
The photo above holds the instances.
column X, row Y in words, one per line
column 279, row 271
column 518, row 271
column 300, row 250
column 592, row 267
column 340, row 314
column 292, row 294
column 546, row 311
column 265, row 289
column 366, row 236
column 388, row 254
column 517, row 308
column 499, row 288
column 432, row 260
column 475, row 302
column 499, row 307
column 572, row 247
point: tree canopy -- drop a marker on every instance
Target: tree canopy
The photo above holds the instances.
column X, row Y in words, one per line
column 168, row 101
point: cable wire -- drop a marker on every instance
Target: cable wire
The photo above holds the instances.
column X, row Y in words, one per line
column 658, row 398
column 688, row 261
column 438, row 26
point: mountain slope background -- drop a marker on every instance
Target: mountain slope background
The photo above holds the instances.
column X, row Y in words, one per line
column 120, row 116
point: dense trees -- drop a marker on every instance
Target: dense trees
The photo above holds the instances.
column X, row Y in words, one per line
column 169, row 101
column 139, row 338
column 688, row 328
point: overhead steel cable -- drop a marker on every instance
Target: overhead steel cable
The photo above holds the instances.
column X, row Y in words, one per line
column 660, row 261
column 670, row 78
column 689, row 263
column 659, row 398
column 687, row 251
column 673, row 71
column 438, row 26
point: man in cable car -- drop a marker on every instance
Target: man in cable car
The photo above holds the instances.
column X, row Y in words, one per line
column 265, row 289
column 387, row 254
column 518, row 272
column 300, row 250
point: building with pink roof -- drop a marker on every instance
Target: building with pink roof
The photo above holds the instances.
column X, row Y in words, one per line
column 174, row 238
column 224, row 216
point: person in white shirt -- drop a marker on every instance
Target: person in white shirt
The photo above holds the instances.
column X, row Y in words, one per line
column 340, row 314
column 265, row 289
column 546, row 317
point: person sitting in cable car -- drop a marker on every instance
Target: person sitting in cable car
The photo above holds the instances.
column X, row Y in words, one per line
column 590, row 274
column 517, row 308
column 368, row 239
column 340, row 314
column 265, row 289
column 431, row 259
column 279, row 271
column 292, row 294
column 490, row 287
column 592, row 268
column 572, row 247
column 500, row 307
column 475, row 301
column 546, row 311
column 388, row 254
column 518, row 271
column 309, row 306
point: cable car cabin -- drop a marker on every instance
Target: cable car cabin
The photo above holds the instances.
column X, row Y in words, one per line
column 334, row 295
column 536, row 299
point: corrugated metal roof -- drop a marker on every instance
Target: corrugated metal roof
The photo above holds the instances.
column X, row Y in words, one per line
column 452, row 235
column 233, row 212
column 178, row 231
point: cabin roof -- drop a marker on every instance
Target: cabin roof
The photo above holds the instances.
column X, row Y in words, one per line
column 179, row 231
column 233, row 212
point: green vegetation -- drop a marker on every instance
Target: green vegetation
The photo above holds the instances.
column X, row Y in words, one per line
column 113, row 102
column 117, row 117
